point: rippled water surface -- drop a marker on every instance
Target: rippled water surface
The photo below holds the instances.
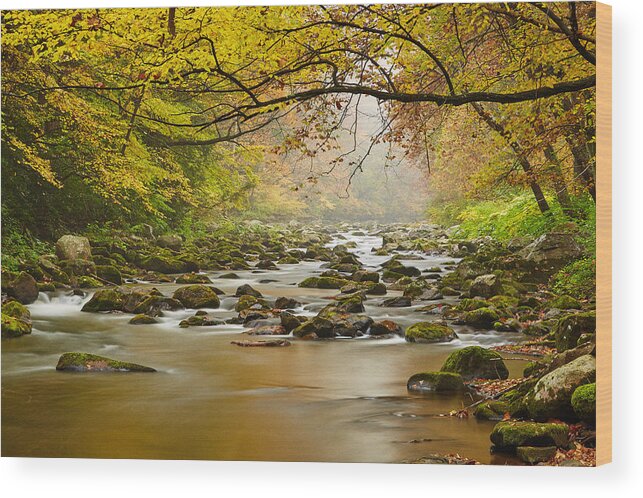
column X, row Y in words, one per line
column 341, row 400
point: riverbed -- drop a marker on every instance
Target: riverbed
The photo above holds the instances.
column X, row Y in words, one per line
column 342, row 400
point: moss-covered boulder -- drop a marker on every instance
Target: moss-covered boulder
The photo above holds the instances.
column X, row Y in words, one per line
column 584, row 403
column 105, row 300
column 435, row 382
column 481, row 317
column 87, row 282
column 323, row 283
column 290, row 322
column 285, row 303
column 397, row 302
column 109, row 274
column 87, row 362
column 570, row 327
column 142, row 319
column 551, row 397
column 193, row 278
column 366, row 276
column 197, row 296
column 16, row 320
column 163, row 264
column 512, row 434
column 429, row 332
column 246, row 302
column 173, row 242
column 565, row 303
column 475, row 362
column 471, row 304
column 491, row 410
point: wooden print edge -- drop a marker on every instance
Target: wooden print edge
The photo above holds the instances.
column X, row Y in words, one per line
column 604, row 234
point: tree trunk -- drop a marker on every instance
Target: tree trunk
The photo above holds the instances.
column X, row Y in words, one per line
column 523, row 160
column 559, row 181
column 583, row 152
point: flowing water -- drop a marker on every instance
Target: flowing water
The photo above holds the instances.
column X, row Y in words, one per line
column 341, row 400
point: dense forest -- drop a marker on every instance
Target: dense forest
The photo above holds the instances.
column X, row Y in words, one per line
column 142, row 144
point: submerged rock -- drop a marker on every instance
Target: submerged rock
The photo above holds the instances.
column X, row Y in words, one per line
column 435, row 382
column 87, row 362
column 142, row 319
column 277, row 343
column 429, row 332
column 475, row 362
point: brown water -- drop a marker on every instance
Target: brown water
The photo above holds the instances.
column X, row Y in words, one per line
column 342, row 400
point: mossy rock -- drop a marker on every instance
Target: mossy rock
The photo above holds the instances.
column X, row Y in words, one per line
column 471, row 304
column 323, row 283
column 565, row 303
column 109, row 273
column 481, row 317
column 491, row 410
column 193, row 278
column 163, row 264
column 86, row 282
column 46, row 286
column 16, row 320
column 290, row 322
column 535, row 454
column 87, row 362
column 551, row 395
column 197, row 296
column 584, row 403
column 435, row 382
column 504, row 302
column 22, row 287
column 512, row 434
column 385, row 327
column 143, row 319
column 475, row 362
column 230, row 276
column 366, row 276
column 105, row 300
column 429, row 332
column 569, row 329
column 246, row 302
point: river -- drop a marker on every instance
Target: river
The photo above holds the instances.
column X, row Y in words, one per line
column 334, row 400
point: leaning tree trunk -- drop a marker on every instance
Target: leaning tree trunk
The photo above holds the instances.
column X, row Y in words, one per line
column 521, row 155
column 559, row 181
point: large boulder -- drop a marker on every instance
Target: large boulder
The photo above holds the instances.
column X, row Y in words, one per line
column 475, row 362
column 486, row 286
column 435, row 382
column 247, row 290
column 551, row 397
column 197, row 296
column 481, row 317
column 512, row 434
column 163, row 264
column 109, row 273
column 429, row 332
column 569, row 329
column 552, row 249
column 87, row 362
column 106, row 300
column 23, row 288
column 70, row 247
column 173, row 242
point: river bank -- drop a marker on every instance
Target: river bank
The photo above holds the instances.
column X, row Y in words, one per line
column 339, row 393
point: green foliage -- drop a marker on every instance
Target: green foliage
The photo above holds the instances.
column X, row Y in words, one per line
column 19, row 246
column 577, row 279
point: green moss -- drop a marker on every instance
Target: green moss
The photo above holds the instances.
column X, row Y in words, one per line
column 476, row 362
column 435, row 381
column 429, row 332
column 17, row 310
column 105, row 300
column 565, row 303
column 87, row 362
column 481, row 317
column 506, row 302
column 324, row 283
column 14, row 327
column 471, row 304
column 86, row 282
column 491, row 410
column 512, row 434
column 247, row 301
column 142, row 319
column 197, row 296
column 109, row 273
column 584, row 403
